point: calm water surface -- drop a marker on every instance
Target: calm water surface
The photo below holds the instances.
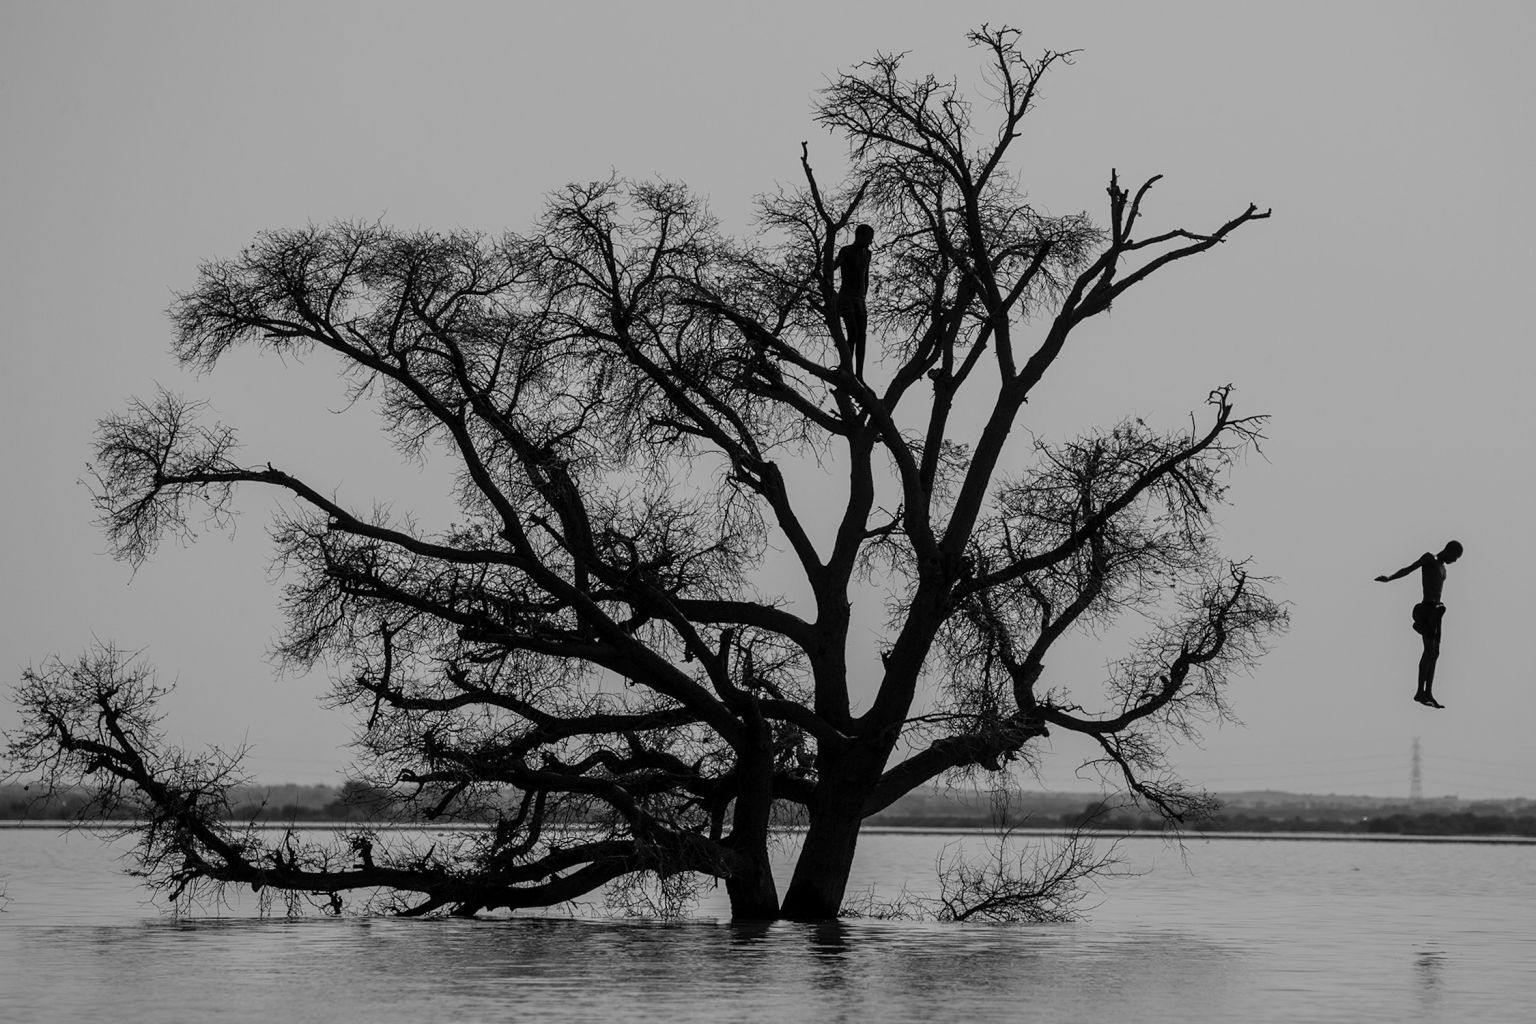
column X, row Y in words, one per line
column 1223, row 930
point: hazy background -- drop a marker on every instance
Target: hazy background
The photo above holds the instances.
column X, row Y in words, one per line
column 1380, row 316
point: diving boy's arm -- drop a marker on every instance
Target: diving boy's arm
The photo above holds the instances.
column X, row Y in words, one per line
column 1405, row 570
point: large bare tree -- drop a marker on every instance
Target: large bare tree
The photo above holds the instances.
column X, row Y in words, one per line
column 633, row 651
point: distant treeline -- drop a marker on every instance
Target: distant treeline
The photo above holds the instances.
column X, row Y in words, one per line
column 934, row 808
column 1444, row 817
column 1409, row 823
column 352, row 801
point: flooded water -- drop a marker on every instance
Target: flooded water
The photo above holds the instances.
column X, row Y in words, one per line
column 1224, row 930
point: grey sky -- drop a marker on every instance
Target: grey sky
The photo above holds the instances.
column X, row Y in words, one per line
column 1379, row 316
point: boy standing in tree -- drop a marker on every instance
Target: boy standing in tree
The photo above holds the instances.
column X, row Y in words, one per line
column 1428, row 613
column 853, row 261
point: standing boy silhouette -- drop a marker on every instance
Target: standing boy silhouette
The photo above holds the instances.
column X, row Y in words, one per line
column 853, row 261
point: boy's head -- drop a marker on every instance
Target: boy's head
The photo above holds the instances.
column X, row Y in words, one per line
column 863, row 234
column 1451, row 551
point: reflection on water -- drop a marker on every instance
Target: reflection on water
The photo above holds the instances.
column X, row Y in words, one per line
column 1250, row 931
column 580, row 970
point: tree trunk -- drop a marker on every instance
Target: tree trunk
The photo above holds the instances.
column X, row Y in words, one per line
column 754, row 896
column 821, row 873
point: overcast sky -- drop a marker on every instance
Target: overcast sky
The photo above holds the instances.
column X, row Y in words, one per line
column 1380, row 316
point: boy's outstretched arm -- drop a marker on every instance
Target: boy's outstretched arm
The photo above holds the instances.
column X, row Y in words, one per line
column 1404, row 571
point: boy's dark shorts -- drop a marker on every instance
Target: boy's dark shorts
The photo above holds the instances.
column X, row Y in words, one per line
column 1426, row 617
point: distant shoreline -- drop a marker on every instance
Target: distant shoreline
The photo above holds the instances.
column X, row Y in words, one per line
column 950, row 811
column 959, row 831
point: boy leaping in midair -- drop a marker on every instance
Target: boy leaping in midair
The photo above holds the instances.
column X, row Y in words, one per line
column 1428, row 613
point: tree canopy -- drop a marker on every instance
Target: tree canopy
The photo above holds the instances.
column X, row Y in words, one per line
column 631, row 656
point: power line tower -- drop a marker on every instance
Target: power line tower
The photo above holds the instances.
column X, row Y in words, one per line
column 1416, row 774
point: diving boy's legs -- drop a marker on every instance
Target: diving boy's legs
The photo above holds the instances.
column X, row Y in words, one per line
column 1425, row 694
